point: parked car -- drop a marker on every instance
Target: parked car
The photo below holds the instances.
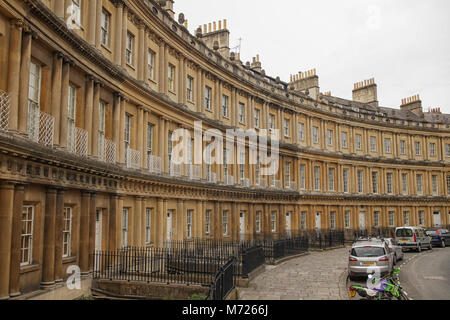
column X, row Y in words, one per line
column 412, row 238
column 369, row 255
column 439, row 236
column 395, row 249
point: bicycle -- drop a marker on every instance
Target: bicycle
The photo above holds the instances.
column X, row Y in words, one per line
column 387, row 289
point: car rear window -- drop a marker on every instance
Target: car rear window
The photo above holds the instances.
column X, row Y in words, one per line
column 404, row 233
column 366, row 252
column 431, row 233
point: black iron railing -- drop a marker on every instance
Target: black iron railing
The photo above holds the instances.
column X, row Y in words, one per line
column 223, row 282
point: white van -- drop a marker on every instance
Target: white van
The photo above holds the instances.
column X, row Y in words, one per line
column 413, row 238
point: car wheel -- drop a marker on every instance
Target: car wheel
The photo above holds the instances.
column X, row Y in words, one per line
column 443, row 244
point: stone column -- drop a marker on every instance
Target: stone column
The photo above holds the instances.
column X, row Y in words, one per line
column 184, row 87
column 199, row 90
column 145, row 140
column 116, row 122
column 56, row 94
column 6, row 228
column 145, row 67
column 166, row 146
column 92, row 17
column 118, row 35
column 98, row 24
column 113, row 213
column 162, row 68
column 24, row 80
column 14, row 288
column 84, row 232
column 89, row 110
column 162, row 134
column 92, row 222
column 137, row 228
column 140, row 132
column 159, row 220
column 15, row 53
column 141, row 51
column 96, row 119
column 121, row 146
column 64, row 104
column 48, row 263
column 124, row 35
column 59, row 225
column 59, row 8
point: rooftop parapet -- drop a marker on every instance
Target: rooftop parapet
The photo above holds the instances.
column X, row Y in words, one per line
column 366, row 92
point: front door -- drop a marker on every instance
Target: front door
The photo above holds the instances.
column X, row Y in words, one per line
column 98, row 230
column 242, row 225
column 362, row 221
column 288, row 223
column 318, row 224
column 436, row 218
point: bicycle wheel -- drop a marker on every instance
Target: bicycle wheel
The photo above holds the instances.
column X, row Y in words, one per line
column 402, row 295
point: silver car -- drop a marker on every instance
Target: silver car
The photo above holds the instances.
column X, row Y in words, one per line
column 395, row 249
column 368, row 256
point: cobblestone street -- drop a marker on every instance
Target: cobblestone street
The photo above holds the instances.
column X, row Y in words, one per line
column 316, row 276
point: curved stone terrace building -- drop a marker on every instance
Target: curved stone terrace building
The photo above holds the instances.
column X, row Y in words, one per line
column 90, row 95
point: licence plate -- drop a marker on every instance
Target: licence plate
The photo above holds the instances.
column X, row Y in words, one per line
column 404, row 240
column 368, row 263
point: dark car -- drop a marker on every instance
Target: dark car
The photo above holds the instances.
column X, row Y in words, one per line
column 439, row 237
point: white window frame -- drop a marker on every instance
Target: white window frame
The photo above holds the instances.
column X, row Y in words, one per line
column 404, row 184
column 360, row 178
column 376, row 219
column 171, row 77
column 302, row 176
column 417, row 147
column 358, row 142
column 208, row 98
column 241, row 113
column 331, row 179
column 406, row 221
column 402, row 147
column 208, row 222
column 344, row 139
column 101, row 127
column 287, row 129
column 150, row 134
column 389, row 185
column 27, row 237
column 391, row 218
column 76, row 12
column 151, row 64
column 301, row 131
column 71, row 117
column 447, row 149
column 105, row 28
column 387, row 145
column 347, row 220
column 190, row 88
column 129, row 50
column 375, row 189
column 34, row 95
column 421, row 216
column 225, row 101
column 303, row 220
column 271, row 121
column 316, row 178
column 315, row 134
column 189, row 224
column 256, row 114
column 258, row 222
column 373, row 144
column 148, row 226
column 332, row 220
column 432, row 149
column 125, row 215
column 434, row 185
column 287, row 174
column 67, row 232
column 273, row 221
column 225, row 222
column 345, row 178
column 329, row 137
column 419, row 184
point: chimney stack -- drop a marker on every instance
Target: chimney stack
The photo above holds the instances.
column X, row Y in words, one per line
column 306, row 82
column 217, row 32
column 256, row 64
column 168, row 6
column 366, row 92
column 413, row 104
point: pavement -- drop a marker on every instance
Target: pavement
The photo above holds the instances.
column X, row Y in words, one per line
column 320, row 275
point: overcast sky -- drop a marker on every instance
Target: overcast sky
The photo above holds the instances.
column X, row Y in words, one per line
column 403, row 44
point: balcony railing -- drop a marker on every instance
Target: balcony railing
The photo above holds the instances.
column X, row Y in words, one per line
column 109, row 151
column 213, row 177
column 4, row 110
column 175, row 170
column 133, row 159
column 229, row 180
column 292, row 185
column 46, row 129
column 154, row 164
column 245, row 183
column 80, row 145
column 193, row 172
